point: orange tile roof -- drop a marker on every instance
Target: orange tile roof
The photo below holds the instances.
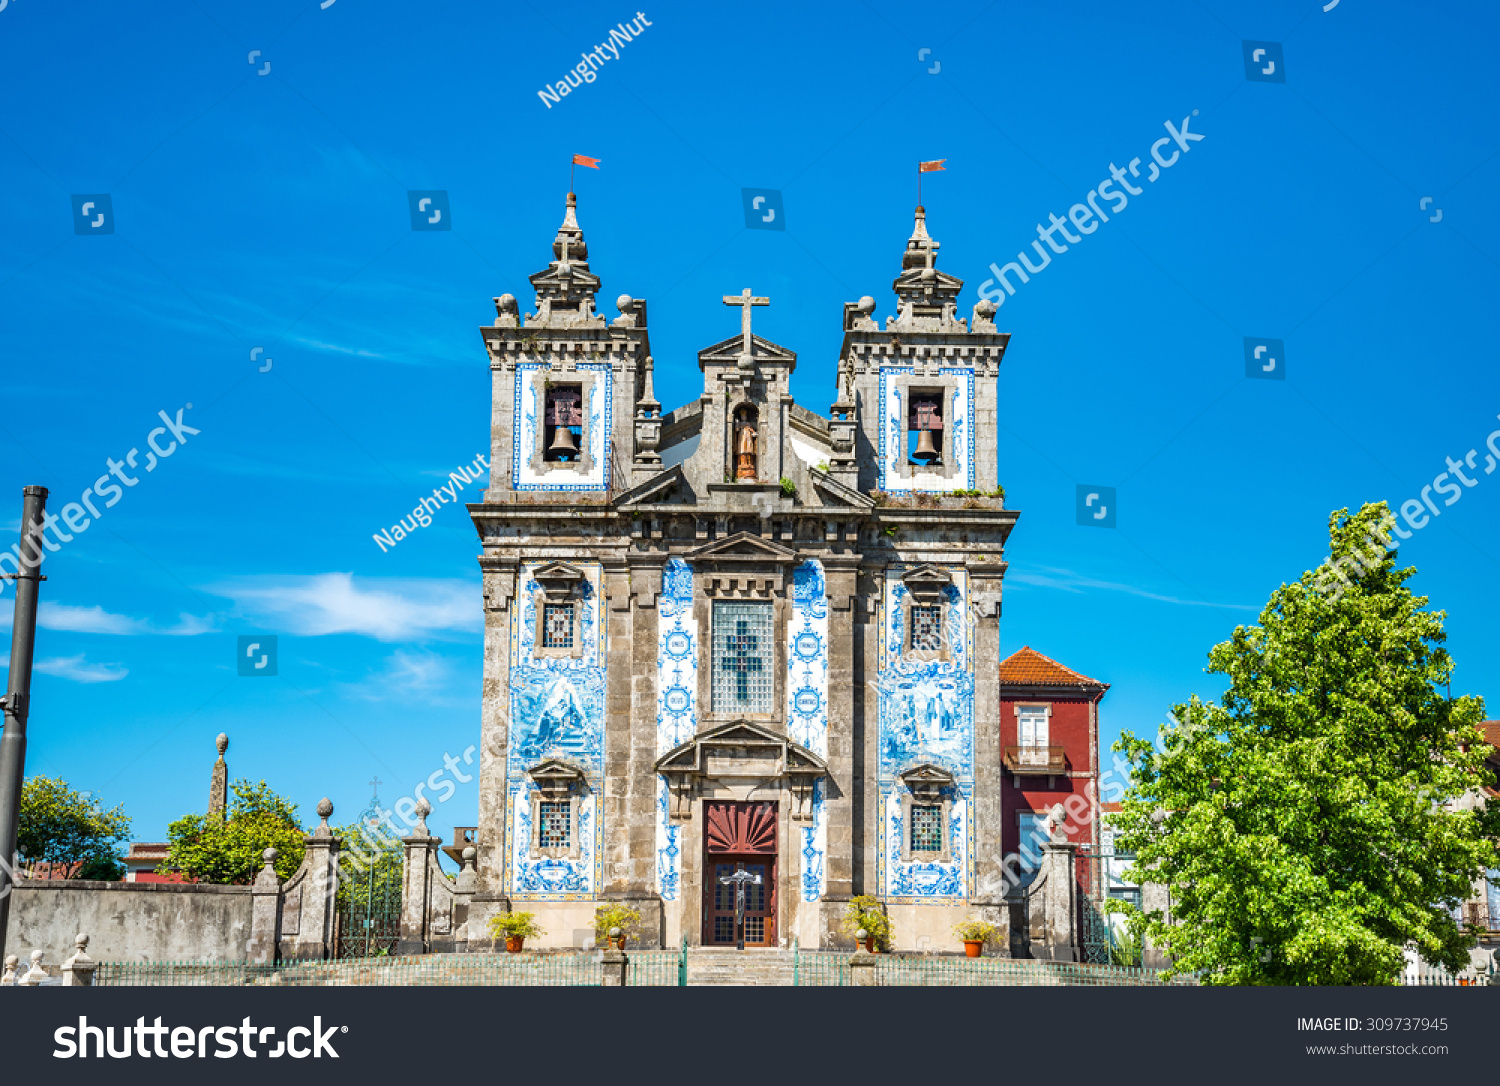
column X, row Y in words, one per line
column 1027, row 667
column 1491, row 729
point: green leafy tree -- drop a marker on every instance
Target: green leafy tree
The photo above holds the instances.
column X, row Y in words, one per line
column 1302, row 822
column 62, row 826
column 228, row 850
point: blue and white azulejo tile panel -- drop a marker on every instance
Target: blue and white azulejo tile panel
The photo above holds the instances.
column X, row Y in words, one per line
column 958, row 434
column 676, row 704
column 926, row 710
column 556, row 711
column 807, row 705
column 530, row 410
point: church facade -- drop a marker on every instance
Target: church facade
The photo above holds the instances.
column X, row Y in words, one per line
column 741, row 638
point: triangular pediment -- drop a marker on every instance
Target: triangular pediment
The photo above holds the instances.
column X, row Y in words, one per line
column 554, row 769
column 927, row 773
column 655, row 487
column 558, row 571
column 728, row 350
column 689, row 757
column 742, row 547
column 926, row 581
column 836, row 493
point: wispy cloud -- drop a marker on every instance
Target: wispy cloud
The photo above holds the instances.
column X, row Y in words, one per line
column 80, row 670
column 96, row 620
column 1067, row 580
column 407, row 675
column 319, row 345
column 331, row 603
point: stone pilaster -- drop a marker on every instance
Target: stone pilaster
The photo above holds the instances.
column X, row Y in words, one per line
column 416, row 889
column 494, row 742
column 265, row 913
column 319, row 878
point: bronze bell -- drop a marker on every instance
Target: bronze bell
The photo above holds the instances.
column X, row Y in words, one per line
column 562, row 442
column 925, row 451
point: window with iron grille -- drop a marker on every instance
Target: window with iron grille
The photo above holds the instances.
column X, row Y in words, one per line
column 926, row 828
column 557, row 626
column 743, row 658
column 926, row 628
column 556, row 823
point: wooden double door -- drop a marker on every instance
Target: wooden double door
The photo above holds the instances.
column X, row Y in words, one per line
column 739, row 852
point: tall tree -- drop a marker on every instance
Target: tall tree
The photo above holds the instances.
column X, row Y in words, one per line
column 1303, row 823
column 60, row 825
column 227, row 849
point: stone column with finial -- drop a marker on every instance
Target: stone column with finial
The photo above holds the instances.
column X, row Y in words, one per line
column 416, row 883
column 37, row 973
column 78, row 971
column 318, row 879
column 8, row 978
column 218, row 789
column 265, row 913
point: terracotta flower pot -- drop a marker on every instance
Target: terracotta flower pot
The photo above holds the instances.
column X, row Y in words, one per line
column 513, row 943
column 972, row 947
column 619, row 944
column 871, row 946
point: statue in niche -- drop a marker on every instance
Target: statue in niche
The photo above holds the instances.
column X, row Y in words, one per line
column 744, row 448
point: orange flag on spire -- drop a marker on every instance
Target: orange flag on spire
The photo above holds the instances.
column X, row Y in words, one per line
column 928, row 167
column 593, row 163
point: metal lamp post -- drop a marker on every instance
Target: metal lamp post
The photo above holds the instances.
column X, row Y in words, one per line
column 18, row 690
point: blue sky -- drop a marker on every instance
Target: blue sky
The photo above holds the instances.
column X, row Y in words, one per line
column 271, row 211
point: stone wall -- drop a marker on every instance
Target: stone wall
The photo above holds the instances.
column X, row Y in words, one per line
column 131, row 921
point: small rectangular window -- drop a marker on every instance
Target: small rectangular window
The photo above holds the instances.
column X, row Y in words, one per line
column 926, row 828
column 926, row 628
column 744, row 658
column 556, row 824
column 557, row 626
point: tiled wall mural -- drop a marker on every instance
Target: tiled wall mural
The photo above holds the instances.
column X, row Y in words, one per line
column 926, row 715
column 958, row 435
column 556, row 711
column 530, row 407
column 676, row 705
column 807, row 705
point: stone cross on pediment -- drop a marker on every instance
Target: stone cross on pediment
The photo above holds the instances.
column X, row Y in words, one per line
column 745, row 299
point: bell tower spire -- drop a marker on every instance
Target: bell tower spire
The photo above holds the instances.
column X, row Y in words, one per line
column 565, row 289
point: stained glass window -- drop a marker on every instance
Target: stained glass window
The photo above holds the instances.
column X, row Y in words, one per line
column 556, row 824
column 926, row 628
column 743, row 658
column 557, row 626
column 926, row 828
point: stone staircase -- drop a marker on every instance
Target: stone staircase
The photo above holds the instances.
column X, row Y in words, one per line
column 727, row 966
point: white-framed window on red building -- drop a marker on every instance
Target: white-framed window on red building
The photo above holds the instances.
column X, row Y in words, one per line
column 1032, row 734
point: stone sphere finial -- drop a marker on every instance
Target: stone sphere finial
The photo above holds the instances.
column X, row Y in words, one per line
column 325, row 808
column 866, row 305
column 470, row 854
column 269, row 855
column 506, row 303
column 861, row 935
column 624, row 302
column 82, row 942
column 986, row 308
column 222, row 743
column 423, row 807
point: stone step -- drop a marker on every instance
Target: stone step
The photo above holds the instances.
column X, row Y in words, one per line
column 726, row 966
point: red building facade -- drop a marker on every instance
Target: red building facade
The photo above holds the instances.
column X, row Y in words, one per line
column 1049, row 751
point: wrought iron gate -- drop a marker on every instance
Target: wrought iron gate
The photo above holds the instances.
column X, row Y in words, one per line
column 1103, row 938
column 368, row 921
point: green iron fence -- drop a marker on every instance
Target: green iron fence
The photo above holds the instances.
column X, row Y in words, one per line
column 831, row 968
column 656, row 968
column 567, row 968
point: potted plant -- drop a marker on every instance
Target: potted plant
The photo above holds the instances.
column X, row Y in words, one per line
column 974, row 934
column 865, row 913
column 515, row 929
column 614, row 915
